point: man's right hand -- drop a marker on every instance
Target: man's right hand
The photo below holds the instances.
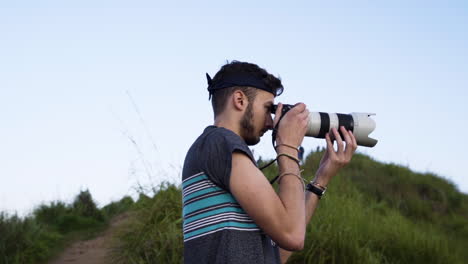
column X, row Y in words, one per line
column 293, row 125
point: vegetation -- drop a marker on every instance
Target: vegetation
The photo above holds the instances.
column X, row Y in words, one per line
column 384, row 213
column 372, row 213
column 41, row 235
column 155, row 233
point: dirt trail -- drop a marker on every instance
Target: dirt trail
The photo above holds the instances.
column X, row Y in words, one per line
column 94, row 251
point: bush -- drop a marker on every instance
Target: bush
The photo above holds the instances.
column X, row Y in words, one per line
column 84, row 205
column 25, row 240
column 49, row 228
column 115, row 208
column 50, row 214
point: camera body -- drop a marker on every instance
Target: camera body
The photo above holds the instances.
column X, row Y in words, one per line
column 321, row 123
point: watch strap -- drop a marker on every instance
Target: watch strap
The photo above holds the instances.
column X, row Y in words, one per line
column 315, row 190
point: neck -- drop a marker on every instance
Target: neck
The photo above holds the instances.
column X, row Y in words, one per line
column 228, row 123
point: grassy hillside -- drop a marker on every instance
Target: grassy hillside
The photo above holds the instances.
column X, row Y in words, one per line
column 372, row 213
column 384, row 213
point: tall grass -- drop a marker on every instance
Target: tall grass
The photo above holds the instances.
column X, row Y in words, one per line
column 384, row 213
column 349, row 228
column 155, row 233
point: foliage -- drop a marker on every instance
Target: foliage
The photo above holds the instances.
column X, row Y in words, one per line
column 119, row 207
column 37, row 237
column 85, row 206
column 372, row 213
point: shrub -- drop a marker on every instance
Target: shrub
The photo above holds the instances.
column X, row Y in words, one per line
column 37, row 237
column 115, row 208
column 25, row 240
column 84, row 205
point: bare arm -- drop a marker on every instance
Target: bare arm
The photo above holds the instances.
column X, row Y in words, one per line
column 282, row 216
column 329, row 166
column 311, row 202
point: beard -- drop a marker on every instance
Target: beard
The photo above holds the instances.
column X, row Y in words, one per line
column 248, row 129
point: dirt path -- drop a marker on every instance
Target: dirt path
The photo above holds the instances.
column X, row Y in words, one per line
column 94, row 251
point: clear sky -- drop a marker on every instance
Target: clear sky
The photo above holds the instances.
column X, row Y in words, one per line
column 108, row 94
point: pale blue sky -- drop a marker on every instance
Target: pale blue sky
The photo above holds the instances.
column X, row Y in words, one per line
column 65, row 69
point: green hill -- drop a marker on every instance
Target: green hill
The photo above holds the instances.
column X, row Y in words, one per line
column 372, row 213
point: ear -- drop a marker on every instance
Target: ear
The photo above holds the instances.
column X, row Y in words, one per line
column 240, row 100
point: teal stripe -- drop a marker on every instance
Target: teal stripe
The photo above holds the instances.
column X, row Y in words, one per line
column 198, row 178
column 201, row 192
column 214, row 212
column 208, row 202
column 218, row 226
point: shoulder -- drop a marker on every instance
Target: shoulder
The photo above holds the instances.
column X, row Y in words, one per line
column 220, row 132
column 213, row 135
column 222, row 138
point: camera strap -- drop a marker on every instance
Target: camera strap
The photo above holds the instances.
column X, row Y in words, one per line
column 284, row 110
column 273, row 141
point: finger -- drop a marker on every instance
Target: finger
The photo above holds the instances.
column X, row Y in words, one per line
column 349, row 143
column 330, row 148
column 346, row 136
column 278, row 112
column 338, row 139
column 304, row 116
column 299, row 107
column 306, row 113
column 351, row 134
column 325, row 153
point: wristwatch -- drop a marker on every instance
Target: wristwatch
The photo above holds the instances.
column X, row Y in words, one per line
column 316, row 190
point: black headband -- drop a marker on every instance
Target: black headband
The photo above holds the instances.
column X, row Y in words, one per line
column 240, row 79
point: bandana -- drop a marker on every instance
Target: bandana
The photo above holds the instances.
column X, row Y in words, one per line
column 240, row 79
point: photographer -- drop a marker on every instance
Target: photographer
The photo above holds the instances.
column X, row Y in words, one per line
column 231, row 212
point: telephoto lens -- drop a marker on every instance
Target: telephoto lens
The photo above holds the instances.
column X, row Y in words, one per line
column 361, row 124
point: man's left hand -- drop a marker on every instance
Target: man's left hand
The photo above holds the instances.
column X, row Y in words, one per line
column 333, row 160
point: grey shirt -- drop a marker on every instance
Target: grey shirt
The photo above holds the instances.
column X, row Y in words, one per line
column 216, row 229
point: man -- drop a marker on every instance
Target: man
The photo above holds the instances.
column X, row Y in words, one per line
column 231, row 212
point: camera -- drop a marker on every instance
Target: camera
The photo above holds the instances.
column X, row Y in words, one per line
column 321, row 123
